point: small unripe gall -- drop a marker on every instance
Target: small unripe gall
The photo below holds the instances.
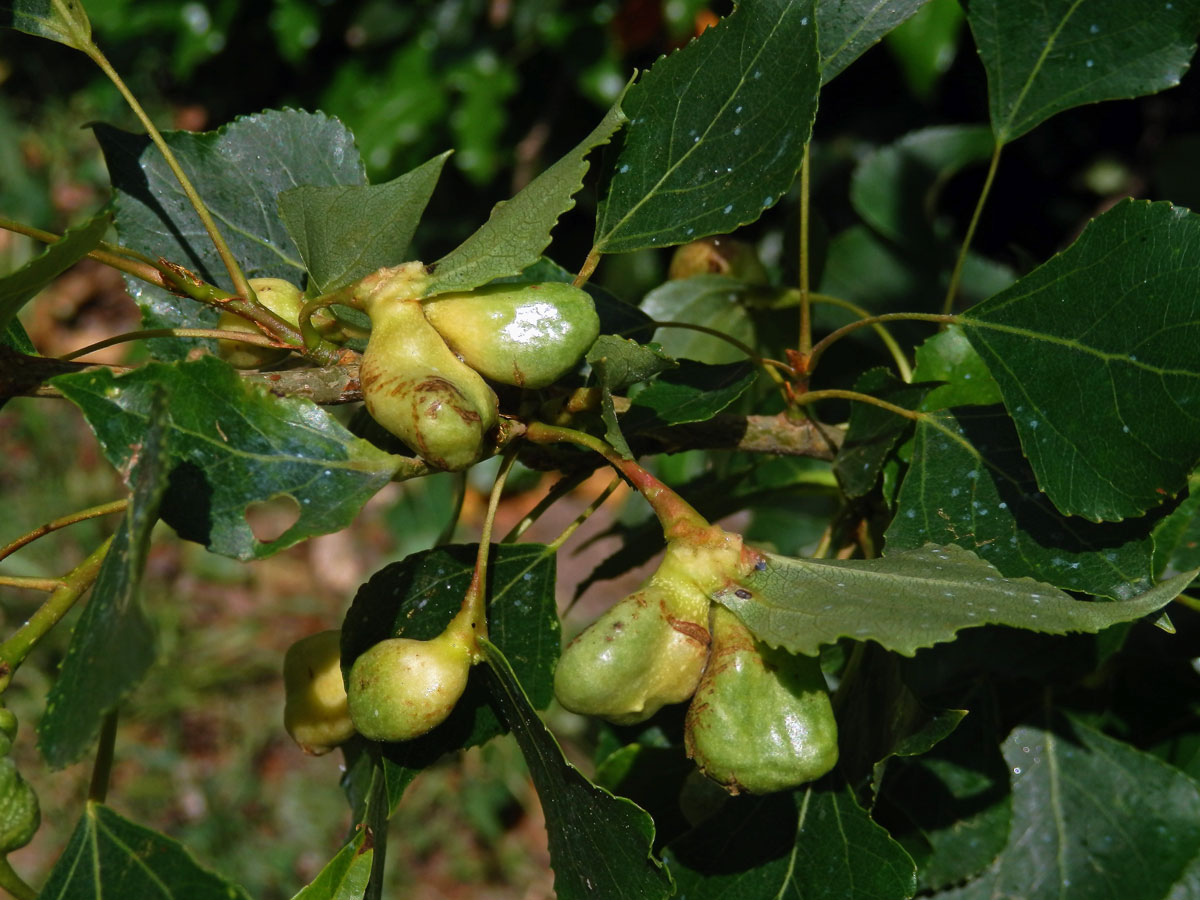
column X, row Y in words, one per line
column 761, row 720
column 315, row 712
column 718, row 256
column 282, row 298
column 401, row 688
column 528, row 335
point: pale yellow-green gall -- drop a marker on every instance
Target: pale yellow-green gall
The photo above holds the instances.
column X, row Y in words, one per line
column 315, row 713
column 718, row 256
column 414, row 385
column 282, row 298
column 528, row 335
column 650, row 649
column 761, row 720
column 401, row 688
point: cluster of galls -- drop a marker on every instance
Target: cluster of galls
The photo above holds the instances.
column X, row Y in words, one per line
column 760, row 719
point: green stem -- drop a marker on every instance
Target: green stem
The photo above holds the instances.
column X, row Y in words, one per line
column 834, row 336
column 14, row 650
column 566, row 533
column 14, row 883
column 589, row 266
column 242, row 337
column 42, row 530
column 956, row 275
column 914, row 415
column 675, row 513
column 30, row 583
column 889, row 342
column 240, row 285
column 112, row 255
column 805, row 344
column 472, row 618
column 102, row 767
column 560, row 489
column 771, row 366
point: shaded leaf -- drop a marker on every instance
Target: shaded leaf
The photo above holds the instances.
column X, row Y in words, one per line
column 1092, row 816
column 233, row 444
column 951, row 807
column 693, row 392
column 17, row 338
column 112, row 645
column 980, row 494
column 1044, row 57
column 912, row 599
column 64, row 21
column 617, row 364
column 948, row 356
column 238, row 170
column 599, row 844
column 21, row 286
column 417, row 597
column 813, row 843
column 874, row 431
column 1177, row 536
column 345, row 876
column 518, row 230
column 1104, row 385
column 894, row 188
column 110, row 856
column 848, row 28
column 713, row 301
column 346, row 231
column 709, row 146
column 926, row 45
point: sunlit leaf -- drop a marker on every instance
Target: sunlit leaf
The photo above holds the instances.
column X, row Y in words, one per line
column 709, row 146
column 913, row 599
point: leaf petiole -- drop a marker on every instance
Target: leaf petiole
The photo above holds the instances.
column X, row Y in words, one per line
column 103, row 509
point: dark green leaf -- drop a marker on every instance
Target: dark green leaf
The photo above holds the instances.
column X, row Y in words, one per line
column 948, row 356
column 713, row 301
column 618, row 363
column 345, row 876
column 1092, row 817
column 65, row 21
column 709, row 144
column 980, row 493
column 599, row 844
column 112, row 645
column 417, row 596
column 238, row 170
column 1044, row 57
column 233, row 445
column 20, row 287
column 874, row 431
column 346, row 231
column 848, row 28
column 17, row 338
column 913, row 599
column 1095, row 355
column 1177, row 536
column 816, row 844
column 951, row 807
column 518, row 230
column 109, row 856
column 694, row 392
column 895, row 188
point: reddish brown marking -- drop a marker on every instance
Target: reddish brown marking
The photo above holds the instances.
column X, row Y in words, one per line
column 693, row 630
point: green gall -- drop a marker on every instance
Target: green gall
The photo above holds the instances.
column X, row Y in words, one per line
column 761, row 720
column 315, row 713
column 401, row 688
column 416, row 388
column 20, row 815
column 650, row 648
column 528, row 335
column 282, row 298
